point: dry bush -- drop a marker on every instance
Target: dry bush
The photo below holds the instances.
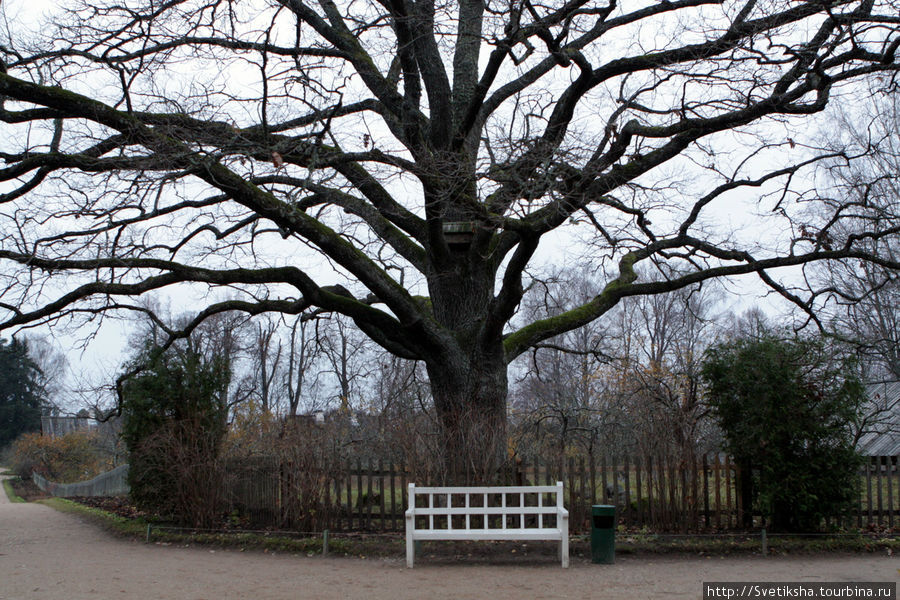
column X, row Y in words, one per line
column 280, row 471
column 181, row 463
column 65, row 459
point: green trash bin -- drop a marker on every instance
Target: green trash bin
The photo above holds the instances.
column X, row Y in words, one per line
column 603, row 534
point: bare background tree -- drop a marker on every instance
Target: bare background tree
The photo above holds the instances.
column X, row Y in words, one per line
column 400, row 163
column 267, row 355
column 865, row 297
column 658, row 376
column 301, row 353
column 862, row 299
column 53, row 366
column 560, row 403
column 346, row 356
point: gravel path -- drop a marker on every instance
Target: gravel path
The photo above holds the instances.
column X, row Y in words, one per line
column 48, row 555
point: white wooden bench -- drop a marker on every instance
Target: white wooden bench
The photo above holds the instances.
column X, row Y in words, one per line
column 487, row 513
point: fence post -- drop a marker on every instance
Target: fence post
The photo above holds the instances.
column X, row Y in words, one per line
column 324, row 542
column 695, row 491
column 356, row 507
column 889, row 466
column 369, row 495
column 652, row 511
column 729, row 506
column 585, row 498
column 889, row 471
column 718, row 483
column 393, row 477
column 381, row 494
column 705, row 467
column 639, row 491
column 879, row 468
column 626, row 468
column 765, row 542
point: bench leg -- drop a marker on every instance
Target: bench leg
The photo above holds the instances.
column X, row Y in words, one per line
column 410, row 545
column 564, row 543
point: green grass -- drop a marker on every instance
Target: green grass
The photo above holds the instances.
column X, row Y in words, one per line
column 361, row 545
column 10, row 493
column 137, row 529
column 259, row 541
column 132, row 528
column 752, row 544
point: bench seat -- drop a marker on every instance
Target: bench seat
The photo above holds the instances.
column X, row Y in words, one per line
column 488, row 534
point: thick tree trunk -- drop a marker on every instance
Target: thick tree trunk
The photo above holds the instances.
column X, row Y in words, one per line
column 470, row 397
column 468, row 372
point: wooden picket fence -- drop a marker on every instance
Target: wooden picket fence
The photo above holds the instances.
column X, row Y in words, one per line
column 650, row 493
column 879, row 495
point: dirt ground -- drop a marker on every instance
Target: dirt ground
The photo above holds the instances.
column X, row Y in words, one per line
column 48, row 555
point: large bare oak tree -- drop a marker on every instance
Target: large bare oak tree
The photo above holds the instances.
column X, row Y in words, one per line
column 400, row 161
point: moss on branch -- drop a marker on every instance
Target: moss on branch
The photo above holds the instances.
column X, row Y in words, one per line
column 519, row 341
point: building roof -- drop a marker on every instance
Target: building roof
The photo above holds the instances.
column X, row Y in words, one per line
column 884, row 437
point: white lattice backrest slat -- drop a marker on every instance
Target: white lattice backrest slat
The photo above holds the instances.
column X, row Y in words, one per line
column 441, row 504
column 540, row 515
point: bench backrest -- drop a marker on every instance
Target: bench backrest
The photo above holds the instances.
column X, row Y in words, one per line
column 486, row 507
